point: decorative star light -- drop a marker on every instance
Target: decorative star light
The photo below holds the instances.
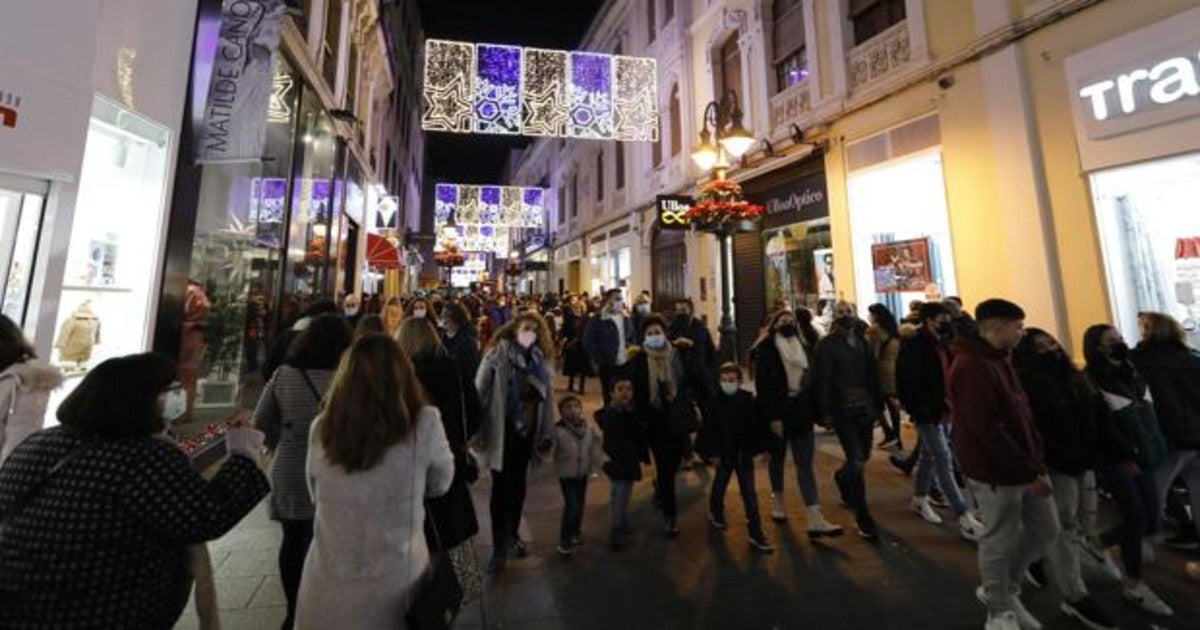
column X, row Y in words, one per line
column 493, row 88
column 515, row 207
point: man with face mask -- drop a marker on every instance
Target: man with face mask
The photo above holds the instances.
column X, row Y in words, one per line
column 849, row 399
column 1000, row 450
column 694, row 343
column 921, row 383
column 607, row 339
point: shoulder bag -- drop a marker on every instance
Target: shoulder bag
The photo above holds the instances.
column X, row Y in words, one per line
column 438, row 597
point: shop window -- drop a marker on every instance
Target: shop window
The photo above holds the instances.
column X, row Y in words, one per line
column 676, row 121
column 872, row 17
column 1150, row 235
column 619, row 159
column 900, row 243
column 651, row 20
column 729, row 68
column 799, row 266
column 235, row 278
column 115, row 244
column 791, row 63
column 352, row 79
column 600, row 175
column 656, row 153
column 312, row 195
column 331, row 41
column 22, row 203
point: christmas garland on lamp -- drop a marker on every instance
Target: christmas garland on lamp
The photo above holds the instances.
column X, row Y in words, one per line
column 720, row 208
column 451, row 257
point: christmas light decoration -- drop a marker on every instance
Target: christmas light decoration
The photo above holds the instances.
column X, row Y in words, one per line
column 492, row 88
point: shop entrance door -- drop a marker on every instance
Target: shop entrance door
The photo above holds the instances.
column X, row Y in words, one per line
column 22, row 202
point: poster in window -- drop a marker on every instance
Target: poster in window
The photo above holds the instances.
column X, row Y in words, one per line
column 823, row 264
column 901, row 266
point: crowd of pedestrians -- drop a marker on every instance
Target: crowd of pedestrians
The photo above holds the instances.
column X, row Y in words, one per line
column 377, row 417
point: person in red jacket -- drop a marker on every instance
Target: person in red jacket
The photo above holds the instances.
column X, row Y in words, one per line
column 1000, row 451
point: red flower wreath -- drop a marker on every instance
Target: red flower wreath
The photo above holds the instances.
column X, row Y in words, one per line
column 720, row 201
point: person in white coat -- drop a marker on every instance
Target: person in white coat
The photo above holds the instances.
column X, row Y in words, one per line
column 25, row 386
column 376, row 452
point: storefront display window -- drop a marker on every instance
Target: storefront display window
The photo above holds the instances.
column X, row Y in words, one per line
column 1150, row 235
column 21, row 206
column 900, row 231
column 231, row 301
column 799, row 270
column 314, row 201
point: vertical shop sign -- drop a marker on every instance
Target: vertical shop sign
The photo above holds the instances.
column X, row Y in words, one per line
column 235, row 121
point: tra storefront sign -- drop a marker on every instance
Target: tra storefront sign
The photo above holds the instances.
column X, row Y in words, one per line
column 1143, row 79
column 800, row 199
column 672, row 211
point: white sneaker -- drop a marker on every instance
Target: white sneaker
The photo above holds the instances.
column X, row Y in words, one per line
column 1097, row 563
column 1147, row 600
column 921, row 506
column 1006, row 620
column 778, row 509
column 969, row 527
column 1025, row 619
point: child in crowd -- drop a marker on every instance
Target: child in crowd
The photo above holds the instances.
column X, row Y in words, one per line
column 627, row 449
column 732, row 435
column 578, row 453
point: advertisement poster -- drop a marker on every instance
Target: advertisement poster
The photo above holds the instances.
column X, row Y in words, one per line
column 823, row 264
column 901, row 266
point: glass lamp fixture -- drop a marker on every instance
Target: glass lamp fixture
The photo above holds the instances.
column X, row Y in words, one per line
column 706, row 154
column 737, row 141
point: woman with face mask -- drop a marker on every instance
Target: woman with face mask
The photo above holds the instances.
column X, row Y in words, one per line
column 1127, row 473
column 105, row 482
column 783, row 379
column 515, row 390
column 658, row 386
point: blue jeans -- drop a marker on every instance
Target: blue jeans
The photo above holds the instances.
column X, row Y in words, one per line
column 619, row 504
column 855, row 430
column 574, row 491
column 745, row 478
column 936, row 460
column 802, row 457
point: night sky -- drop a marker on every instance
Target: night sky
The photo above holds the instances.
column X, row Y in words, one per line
column 557, row 24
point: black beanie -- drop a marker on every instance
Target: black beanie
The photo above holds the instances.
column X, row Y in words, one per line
column 930, row 310
column 996, row 308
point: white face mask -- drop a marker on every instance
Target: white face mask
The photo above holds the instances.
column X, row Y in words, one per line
column 420, row 312
column 174, row 404
column 350, row 311
column 526, row 338
column 643, row 308
column 730, row 388
column 657, row 342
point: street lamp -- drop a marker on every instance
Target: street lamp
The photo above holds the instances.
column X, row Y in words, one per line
column 728, row 138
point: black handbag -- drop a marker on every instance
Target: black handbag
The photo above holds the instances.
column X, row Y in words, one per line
column 439, row 595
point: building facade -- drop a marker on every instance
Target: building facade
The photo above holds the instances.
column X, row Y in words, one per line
column 909, row 149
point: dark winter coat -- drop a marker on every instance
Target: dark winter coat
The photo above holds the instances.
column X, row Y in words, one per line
column 1128, row 401
column 602, row 339
column 921, row 379
column 995, row 438
column 771, row 386
column 1173, row 372
column 103, row 544
column 463, row 348
column 575, row 358
column 733, row 429
column 842, row 369
column 624, row 442
column 700, row 360
column 453, row 512
column 657, row 420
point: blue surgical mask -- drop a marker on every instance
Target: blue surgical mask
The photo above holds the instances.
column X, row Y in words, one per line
column 730, row 388
column 656, row 342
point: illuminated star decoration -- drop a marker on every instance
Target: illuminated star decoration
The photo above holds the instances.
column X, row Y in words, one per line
column 492, row 88
column 279, row 106
column 486, row 216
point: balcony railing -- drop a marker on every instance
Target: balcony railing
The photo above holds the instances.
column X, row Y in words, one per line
column 791, row 104
column 879, row 56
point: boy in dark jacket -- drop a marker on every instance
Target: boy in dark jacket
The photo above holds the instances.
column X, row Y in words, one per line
column 627, row 449
column 733, row 434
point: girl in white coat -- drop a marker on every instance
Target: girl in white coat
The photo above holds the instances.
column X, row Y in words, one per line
column 376, row 452
column 25, row 386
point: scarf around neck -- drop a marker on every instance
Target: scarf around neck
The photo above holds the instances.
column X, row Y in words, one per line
column 795, row 361
column 659, row 364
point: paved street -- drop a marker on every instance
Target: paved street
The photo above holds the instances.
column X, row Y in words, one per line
column 918, row 575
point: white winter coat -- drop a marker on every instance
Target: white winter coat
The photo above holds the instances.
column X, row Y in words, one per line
column 24, row 395
column 368, row 549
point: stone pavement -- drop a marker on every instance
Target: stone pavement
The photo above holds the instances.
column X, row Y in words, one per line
column 918, row 575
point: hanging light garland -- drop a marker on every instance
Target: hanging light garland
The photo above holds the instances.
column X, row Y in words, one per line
column 497, row 89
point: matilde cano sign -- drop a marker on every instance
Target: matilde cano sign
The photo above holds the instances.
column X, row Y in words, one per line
column 1146, row 78
column 235, row 114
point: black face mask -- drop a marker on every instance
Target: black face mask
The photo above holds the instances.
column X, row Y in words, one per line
column 945, row 330
column 847, row 322
column 683, row 320
column 788, row 330
column 1056, row 360
column 1118, row 352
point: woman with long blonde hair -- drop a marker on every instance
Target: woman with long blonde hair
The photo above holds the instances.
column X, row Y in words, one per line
column 516, row 393
column 376, row 452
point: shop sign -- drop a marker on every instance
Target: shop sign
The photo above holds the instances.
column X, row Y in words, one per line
column 672, row 211
column 804, row 197
column 242, row 81
column 1145, row 78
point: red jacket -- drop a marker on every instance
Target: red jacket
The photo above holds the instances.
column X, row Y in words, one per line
column 994, row 437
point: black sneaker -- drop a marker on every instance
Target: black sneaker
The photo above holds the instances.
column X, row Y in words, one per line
column 1086, row 612
column 760, row 544
column 718, row 522
column 900, row 464
column 520, row 548
column 576, row 541
column 867, row 528
column 565, row 550
column 1036, row 574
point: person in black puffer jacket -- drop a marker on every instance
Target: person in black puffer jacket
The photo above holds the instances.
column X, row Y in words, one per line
column 1172, row 369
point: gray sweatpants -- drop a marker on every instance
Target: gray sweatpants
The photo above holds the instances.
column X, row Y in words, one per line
column 1063, row 558
column 1018, row 529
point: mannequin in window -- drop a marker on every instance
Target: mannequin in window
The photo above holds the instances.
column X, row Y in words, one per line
column 79, row 335
column 196, row 308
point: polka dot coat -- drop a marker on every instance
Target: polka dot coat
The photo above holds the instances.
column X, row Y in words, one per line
column 103, row 543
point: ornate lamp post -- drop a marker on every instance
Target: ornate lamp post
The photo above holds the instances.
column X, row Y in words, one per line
column 720, row 208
